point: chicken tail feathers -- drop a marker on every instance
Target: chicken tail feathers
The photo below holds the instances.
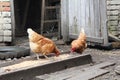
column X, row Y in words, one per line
column 82, row 33
column 82, row 30
column 29, row 30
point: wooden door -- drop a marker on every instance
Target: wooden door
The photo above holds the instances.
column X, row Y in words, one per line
column 87, row 14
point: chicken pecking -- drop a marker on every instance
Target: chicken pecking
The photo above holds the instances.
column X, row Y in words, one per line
column 41, row 45
column 79, row 45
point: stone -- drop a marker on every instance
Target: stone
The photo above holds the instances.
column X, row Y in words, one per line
column 7, row 38
column 7, row 32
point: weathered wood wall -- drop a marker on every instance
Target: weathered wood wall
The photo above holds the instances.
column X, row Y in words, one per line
column 113, row 13
column 89, row 14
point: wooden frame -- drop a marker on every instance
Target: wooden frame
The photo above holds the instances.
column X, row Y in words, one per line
column 13, row 20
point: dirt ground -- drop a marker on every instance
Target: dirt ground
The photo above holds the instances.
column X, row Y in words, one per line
column 98, row 56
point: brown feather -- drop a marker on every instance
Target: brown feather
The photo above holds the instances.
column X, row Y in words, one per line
column 79, row 45
column 40, row 44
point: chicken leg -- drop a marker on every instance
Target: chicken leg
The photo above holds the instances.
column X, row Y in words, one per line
column 37, row 55
column 45, row 56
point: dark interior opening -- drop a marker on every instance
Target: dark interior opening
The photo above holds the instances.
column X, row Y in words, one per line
column 27, row 15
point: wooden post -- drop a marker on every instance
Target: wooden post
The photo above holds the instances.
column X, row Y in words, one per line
column 42, row 15
column 103, row 15
column 13, row 20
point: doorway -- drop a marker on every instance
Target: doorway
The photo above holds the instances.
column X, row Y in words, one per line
column 27, row 15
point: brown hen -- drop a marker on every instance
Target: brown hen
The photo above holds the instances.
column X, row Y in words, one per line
column 40, row 44
column 79, row 45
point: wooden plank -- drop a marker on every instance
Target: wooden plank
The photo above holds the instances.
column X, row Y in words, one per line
column 100, row 66
column 97, row 27
column 103, row 15
column 73, row 12
column 62, row 75
column 12, row 20
column 92, row 18
column 113, row 38
column 72, row 73
column 82, row 15
column 88, row 74
column 87, row 16
column 65, row 19
column 91, row 39
column 42, row 15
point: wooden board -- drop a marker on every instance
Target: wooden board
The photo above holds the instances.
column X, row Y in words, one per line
column 87, row 14
column 89, row 74
column 78, row 74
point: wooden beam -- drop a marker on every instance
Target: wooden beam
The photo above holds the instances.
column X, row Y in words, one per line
column 42, row 15
column 90, row 39
column 78, row 74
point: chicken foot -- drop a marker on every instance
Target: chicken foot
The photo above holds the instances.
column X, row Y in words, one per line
column 37, row 55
